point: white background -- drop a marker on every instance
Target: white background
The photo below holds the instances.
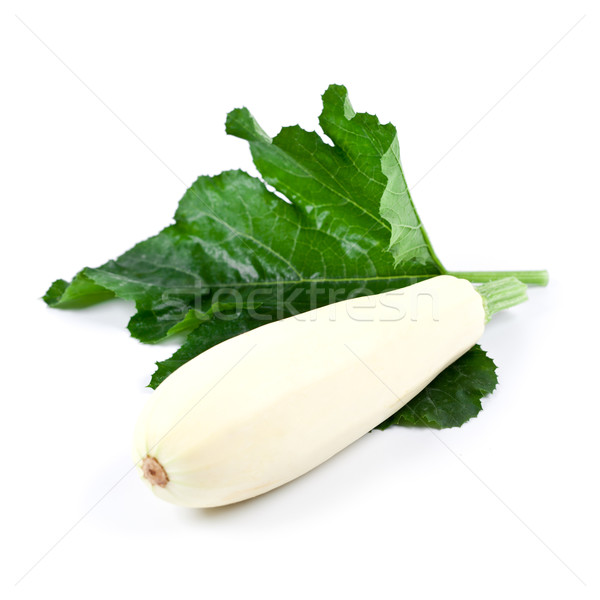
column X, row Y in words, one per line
column 109, row 110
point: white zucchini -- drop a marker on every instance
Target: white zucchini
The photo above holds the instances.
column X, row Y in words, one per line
column 261, row 409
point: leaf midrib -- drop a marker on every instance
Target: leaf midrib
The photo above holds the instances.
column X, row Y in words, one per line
column 283, row 281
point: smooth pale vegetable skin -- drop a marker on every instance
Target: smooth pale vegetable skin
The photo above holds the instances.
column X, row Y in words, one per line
column 263, row 408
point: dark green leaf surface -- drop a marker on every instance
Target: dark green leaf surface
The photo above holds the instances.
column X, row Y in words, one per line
column 453, row 397
column 231, row 232
column 349, row 228
column 354, row 190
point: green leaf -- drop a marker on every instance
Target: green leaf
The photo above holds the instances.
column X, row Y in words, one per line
column 81, row 292
column 453, row 397
column 347, row 226
column 353, row 189
column 234, row 240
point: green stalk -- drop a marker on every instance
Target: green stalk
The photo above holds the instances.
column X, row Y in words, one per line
column 501, row 294
column 529, row 277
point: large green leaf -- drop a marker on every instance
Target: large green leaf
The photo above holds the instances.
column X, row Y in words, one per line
column 355, row 190
column 235, row 241
column 347, row 226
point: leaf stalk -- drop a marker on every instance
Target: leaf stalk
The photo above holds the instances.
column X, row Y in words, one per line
column 528, row 277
